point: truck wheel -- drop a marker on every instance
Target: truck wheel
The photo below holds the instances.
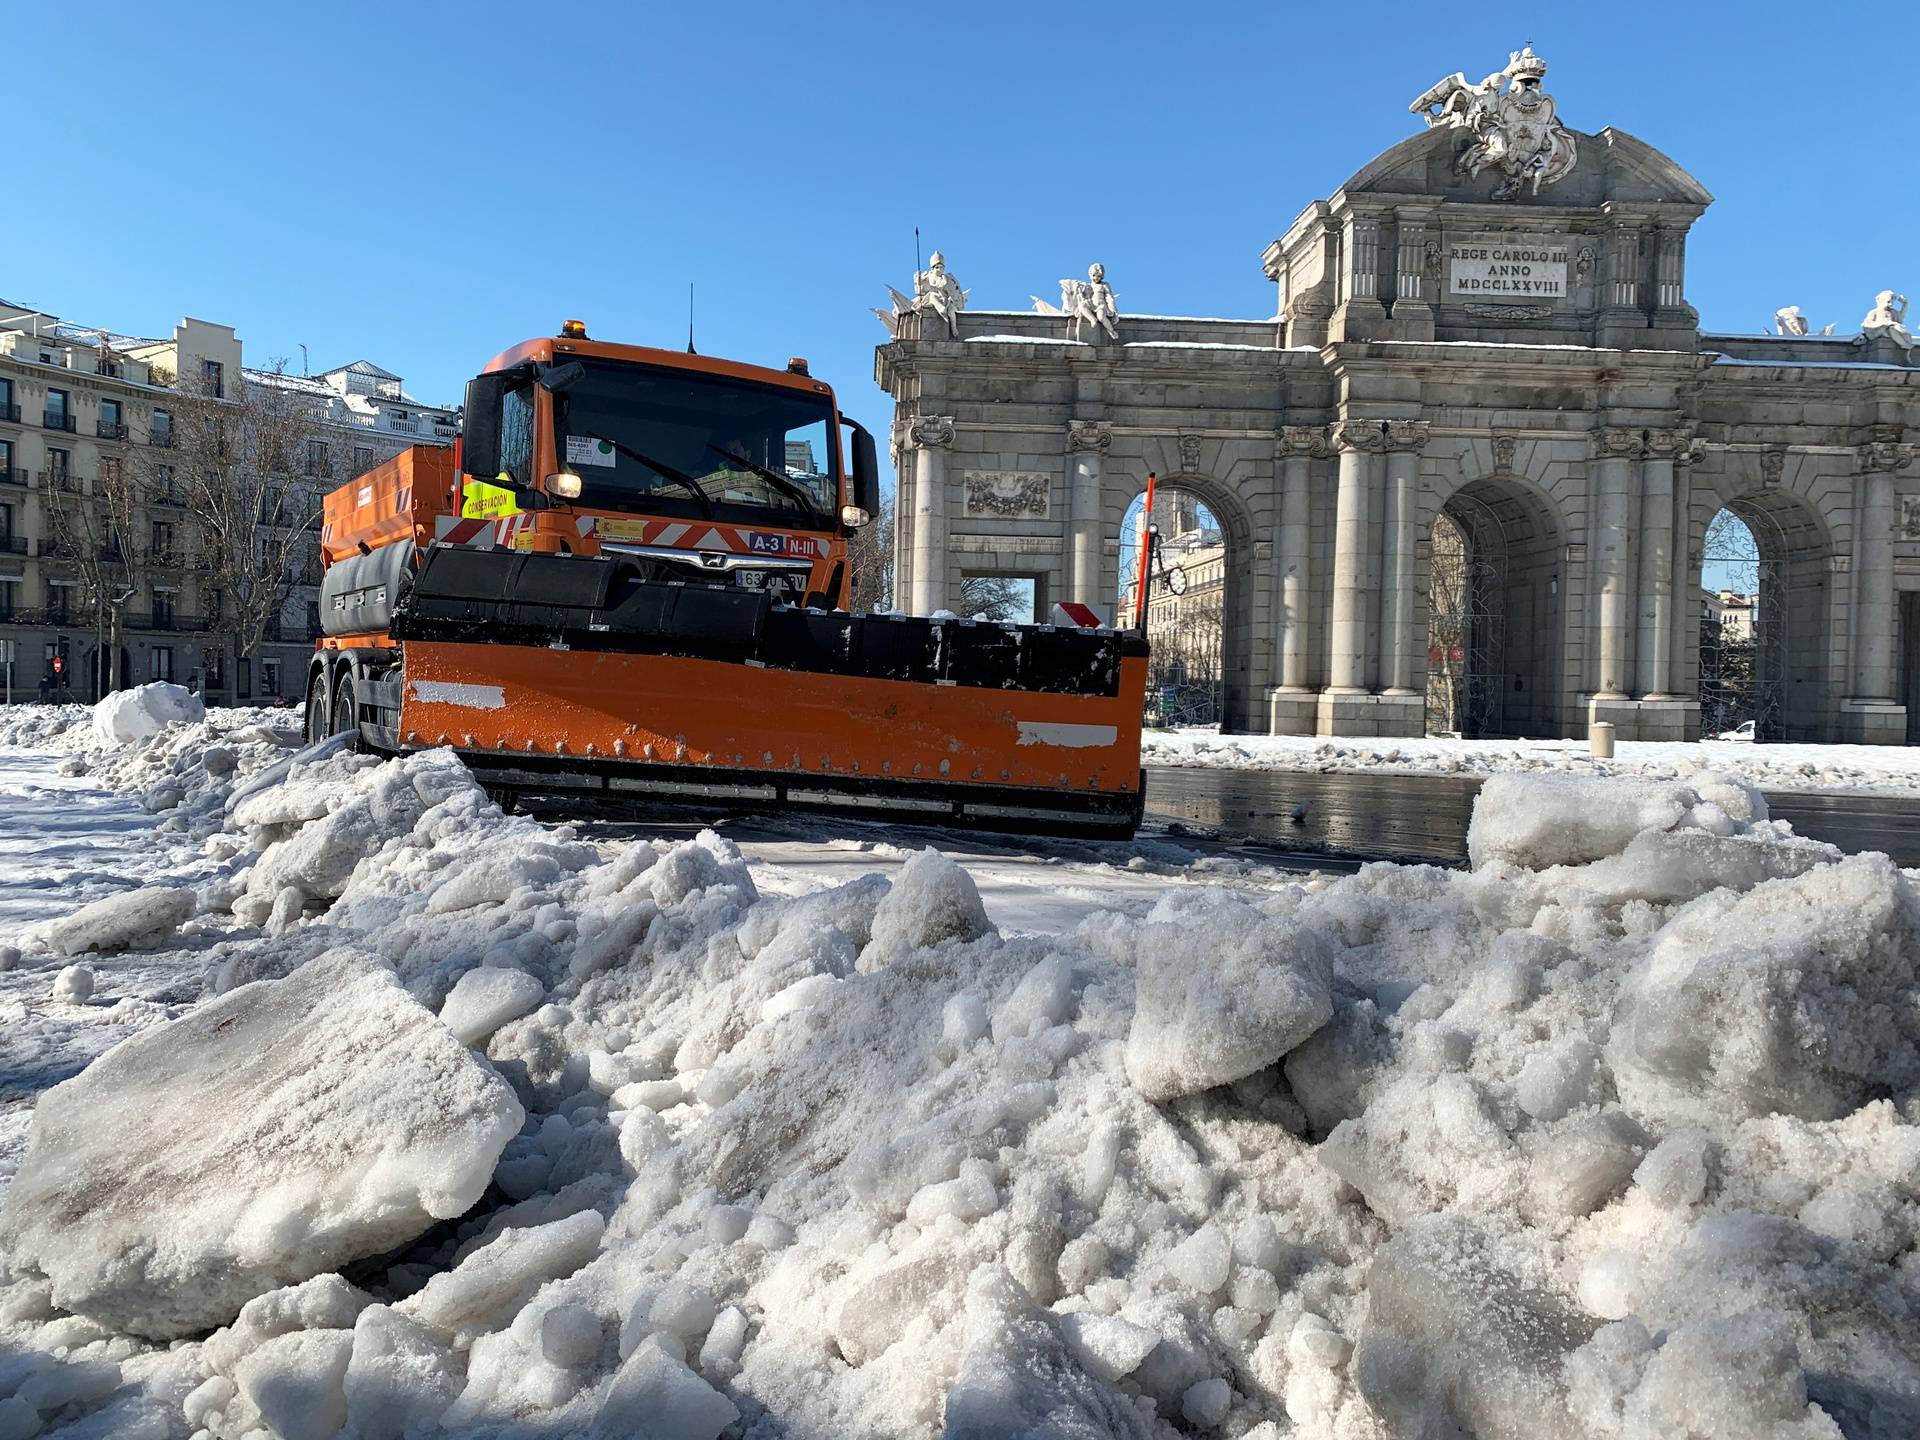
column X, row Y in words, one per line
column 346, row 712
column 316, row 718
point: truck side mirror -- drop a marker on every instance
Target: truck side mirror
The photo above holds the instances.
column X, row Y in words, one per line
column 480, row 432
column 866, row 468
column 556, row 378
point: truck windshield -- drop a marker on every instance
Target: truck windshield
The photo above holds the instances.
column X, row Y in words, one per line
column 682, row 443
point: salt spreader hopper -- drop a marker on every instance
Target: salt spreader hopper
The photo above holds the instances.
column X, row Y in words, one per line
column 630, row 581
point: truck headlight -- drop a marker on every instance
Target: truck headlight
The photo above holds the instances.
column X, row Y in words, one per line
column 853, row 517
column 566, row 485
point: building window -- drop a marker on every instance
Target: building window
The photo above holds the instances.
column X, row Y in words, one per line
column 162, row 543
column 7, row 590
column 362, row 459
column 316, row 457
column 59, row 466
column 6, row 463
column 215, row 376
column 163, row 609
column 59, row 416
column 162, row 428
column 111, row 472
column 112, row 420
column 7, row 410
column 162, row 654
column 270, row 676
column 6, row 527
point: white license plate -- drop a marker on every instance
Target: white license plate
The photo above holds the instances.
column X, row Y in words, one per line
column 750, row 579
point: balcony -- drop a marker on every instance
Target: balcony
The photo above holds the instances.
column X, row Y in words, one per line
column 161, row 438
column 59, row 422
column 112, row 554
column 166, row 557
column 403, row 427
column 110, row 430
column 10, row 414
column 167, row 622
column 11, row 476
column 60, row 480
column 166, row 498
column 15, row 545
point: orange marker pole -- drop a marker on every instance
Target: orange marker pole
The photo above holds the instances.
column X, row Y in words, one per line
column 1140, row 569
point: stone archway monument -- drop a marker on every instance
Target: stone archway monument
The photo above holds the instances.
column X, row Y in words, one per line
column 1490, row 315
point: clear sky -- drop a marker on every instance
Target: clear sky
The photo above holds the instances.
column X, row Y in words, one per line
column 423, row 184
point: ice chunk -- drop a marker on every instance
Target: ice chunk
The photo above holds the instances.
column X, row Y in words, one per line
column 1464, row 1335
column 1538, row 821
column 968, row 1196
column 73, row 985
column 1583, row 1164
column 683, row 1310
column 297, row 1383
column 134, row 919
column 1106, row 1346
column 1558, row 1077
column 720, row 1355
column 570, row 1336
column 1044, row 997
column 874, row 1311
column 657, row 1396
column 325, row 1302
column 1206, row 1402
column 932, row 901
column 1426, row 1143
column 288, row 1126
column 501, row 1276
column 142, row 712
column 1202, row 1261
column 77, row 1382
column 1675, row 1173
column 400, row 1378
column 483, row 1000
column 1265, row 986
column 1018, row 1376
column 1795, row 997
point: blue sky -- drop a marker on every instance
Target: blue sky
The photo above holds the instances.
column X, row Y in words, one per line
column 424, row 184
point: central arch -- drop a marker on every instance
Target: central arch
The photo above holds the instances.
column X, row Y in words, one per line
column 1494, row 613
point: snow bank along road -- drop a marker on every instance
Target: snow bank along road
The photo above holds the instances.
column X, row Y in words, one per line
column 406, row 1117
column 1863, row 769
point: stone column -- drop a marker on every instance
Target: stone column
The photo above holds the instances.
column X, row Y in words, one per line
column 1873, row 598
column 1087, row 442
column 1299, row 446
column 930, row 436
column 900, row 450
column 1359, row 443
column 1613, row 497
column 1686, row 604
column 1399, row 544
column 1658, row 527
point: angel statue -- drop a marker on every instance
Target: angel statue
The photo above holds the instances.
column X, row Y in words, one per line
column 1085, row 301
column 1517, row 133
column 1888, row 319
column 935, row 292
column 1790, row 320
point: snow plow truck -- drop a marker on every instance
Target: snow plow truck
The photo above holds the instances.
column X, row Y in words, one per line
column 630, row 580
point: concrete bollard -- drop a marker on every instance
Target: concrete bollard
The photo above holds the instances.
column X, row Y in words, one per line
column 1600, row 738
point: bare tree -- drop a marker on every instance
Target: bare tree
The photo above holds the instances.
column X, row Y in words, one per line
column 252, row 468
column 1447, row 600
column 94, row 529
column 991, row 597
column 870, row 561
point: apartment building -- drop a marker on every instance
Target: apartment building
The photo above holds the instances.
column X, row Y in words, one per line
column 81, row 408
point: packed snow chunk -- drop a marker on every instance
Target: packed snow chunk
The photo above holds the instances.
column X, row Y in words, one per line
column 144, row 711
column 657, row 1396
column 970, row 1195
column 1538, row 821
column 325, row 1302
column 1466, row 1334
column 933, row 900
column 1105, row 1346
column 1202, row 1261
column 78, row 1382
column 1736, row 1377
column 1426, row 1143
column 1797, row 997
column 132, row 920
column 1221, row 994
column 483, row 1000
column 1019, row 1376
column 1557, row 1078
column 1206, row 1402
column 1582, row 1165
column 1043, row 998
column 494, row 1281
column 73, row 985
column 1677, row 1171
column 297, row 1383
column 571, row 1336
column 288, row 1127
column 401, row 1377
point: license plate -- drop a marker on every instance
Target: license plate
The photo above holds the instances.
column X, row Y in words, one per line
column 750, row 579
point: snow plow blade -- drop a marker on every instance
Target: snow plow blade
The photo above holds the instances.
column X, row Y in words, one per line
column 565, row 674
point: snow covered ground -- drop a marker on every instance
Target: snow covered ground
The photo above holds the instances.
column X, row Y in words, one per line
column 1868, row 769
column 429, row 1119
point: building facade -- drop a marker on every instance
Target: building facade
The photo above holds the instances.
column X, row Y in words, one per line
column 83, row 408
column 1489, row 322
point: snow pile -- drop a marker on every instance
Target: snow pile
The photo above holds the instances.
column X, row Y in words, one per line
column 1614, row 1134
column 142, row 712
column 287, row 1128
column 1883, row 769
column 139, row 919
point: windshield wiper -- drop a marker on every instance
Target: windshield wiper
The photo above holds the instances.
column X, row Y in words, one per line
column 662, row 469
column 784, row 483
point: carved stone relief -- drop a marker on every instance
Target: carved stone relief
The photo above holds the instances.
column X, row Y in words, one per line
column 1005, row 495
column 1089, row 435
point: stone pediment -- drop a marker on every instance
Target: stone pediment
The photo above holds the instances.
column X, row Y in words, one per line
column 1613, row 168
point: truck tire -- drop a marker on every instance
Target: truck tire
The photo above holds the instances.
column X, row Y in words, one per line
column 317, row 722
column 346, row 713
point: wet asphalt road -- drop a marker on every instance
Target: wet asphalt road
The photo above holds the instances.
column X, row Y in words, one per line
column 1425, row 817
